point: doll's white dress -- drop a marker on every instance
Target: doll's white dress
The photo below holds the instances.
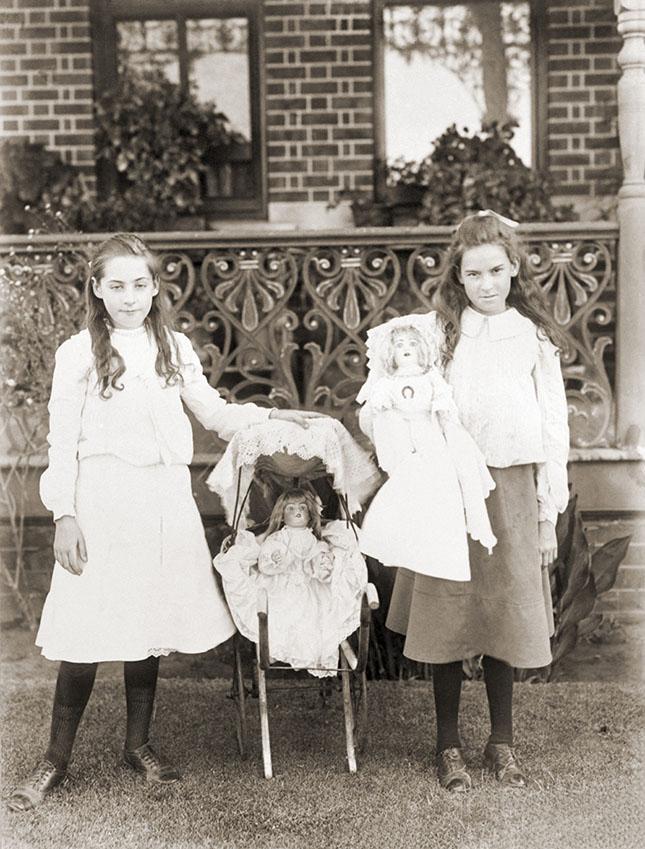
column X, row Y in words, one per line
column 437, row 479
column 314, row 590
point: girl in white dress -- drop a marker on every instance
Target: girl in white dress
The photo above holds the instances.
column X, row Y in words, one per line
column 314, row 578
column 133, row 577
column 438, row 481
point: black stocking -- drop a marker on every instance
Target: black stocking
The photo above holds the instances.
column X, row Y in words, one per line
column 140, row 686
column 73, row 688
column 446, row 678
column 498, row 676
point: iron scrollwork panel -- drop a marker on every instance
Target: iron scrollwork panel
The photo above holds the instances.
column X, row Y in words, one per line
column 239, row 317
column 578, row 280
column 288, row 324
column 348, row 290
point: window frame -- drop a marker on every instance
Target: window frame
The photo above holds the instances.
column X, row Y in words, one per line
column 104, row 14
column 539, row 83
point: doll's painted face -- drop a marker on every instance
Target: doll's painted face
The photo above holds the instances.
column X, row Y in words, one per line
column 406, row 351
column 296, row 513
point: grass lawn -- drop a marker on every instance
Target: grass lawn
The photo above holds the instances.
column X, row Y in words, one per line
column 580, row 742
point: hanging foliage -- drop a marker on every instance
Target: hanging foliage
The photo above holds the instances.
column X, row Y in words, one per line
column 159, row 139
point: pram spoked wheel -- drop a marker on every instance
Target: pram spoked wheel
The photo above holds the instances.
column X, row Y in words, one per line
column 352, row 670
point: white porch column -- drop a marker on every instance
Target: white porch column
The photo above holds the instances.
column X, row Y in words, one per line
column 630, row 342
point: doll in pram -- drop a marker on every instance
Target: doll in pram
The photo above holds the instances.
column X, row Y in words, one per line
column 298, row 589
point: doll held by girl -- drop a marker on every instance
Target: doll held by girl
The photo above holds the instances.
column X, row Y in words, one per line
column 132, row 578
column 498, row 345
column 314, row 577
column 438, row 481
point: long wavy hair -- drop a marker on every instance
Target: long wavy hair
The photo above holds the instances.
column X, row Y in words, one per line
column 297, row 494
column 108, row 361
column 525, row 295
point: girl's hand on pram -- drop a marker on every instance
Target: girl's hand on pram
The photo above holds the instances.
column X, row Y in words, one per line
column 298, row 417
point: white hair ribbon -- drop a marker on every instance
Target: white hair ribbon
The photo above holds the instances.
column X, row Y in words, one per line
column 508, row 221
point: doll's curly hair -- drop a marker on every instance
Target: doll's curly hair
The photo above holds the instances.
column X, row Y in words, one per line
column 387, row 354
column 525, row 295
column 296, row 494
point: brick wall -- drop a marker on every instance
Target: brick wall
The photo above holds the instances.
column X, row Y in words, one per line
column 319, row 86
column 583, row 42
column 319, row 98
column 46, row 76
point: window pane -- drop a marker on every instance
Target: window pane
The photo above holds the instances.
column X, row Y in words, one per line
column 219, row 67
column 219, row 72
column 148, row 45
column 460, row 64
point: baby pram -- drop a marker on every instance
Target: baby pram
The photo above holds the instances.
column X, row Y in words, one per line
column 259, row 462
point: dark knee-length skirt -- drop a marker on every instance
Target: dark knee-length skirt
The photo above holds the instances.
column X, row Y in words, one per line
column 505, row 609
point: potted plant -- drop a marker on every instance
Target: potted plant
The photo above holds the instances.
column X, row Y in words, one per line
column 404, row 183
column 366, row 211
column 468, row 172
column 158, row 140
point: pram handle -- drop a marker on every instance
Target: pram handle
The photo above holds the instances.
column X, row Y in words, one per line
column 372, row 597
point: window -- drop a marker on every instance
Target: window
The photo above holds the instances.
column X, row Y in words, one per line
column 445, row 62
column 211, row 47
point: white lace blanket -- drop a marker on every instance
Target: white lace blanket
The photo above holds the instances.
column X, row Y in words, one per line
column 292, row 450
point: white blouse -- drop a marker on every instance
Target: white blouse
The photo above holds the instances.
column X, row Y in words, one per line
column 143, row 424
column 509, row 392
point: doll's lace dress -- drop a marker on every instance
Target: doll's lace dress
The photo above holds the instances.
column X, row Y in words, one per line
column 437, row 483
column 314, row 589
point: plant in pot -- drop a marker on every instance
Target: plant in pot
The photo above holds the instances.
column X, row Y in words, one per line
column 366, row 211
column 158, row 140
column 404, row 183
column 468, row 172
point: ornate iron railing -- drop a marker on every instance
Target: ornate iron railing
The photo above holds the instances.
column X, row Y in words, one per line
column 283, row 315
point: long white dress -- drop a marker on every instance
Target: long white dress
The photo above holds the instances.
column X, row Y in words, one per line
column 120, row 465
column 314, row 590
column 437, row 483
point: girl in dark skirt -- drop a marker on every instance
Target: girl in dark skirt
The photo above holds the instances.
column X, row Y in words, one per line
column 499, row 350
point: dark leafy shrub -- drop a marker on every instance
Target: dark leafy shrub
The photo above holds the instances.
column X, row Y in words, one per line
column 158, row 138
column 578, row 576
column 465, row 173
column 37, row 178
column 41, row 305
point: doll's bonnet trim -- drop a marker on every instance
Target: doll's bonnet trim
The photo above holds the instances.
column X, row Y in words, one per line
column 377, row 338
